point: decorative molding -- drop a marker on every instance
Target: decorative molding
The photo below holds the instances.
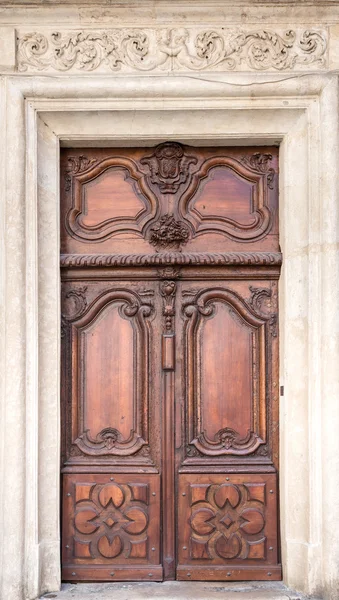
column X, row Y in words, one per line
column 168, row 233
column 172, row 49
column 83, row 170
column 273, row 259
column 110, row 441
column 225, row 441
column 234, row 227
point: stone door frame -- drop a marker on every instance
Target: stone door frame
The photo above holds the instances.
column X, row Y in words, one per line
column 39, row 113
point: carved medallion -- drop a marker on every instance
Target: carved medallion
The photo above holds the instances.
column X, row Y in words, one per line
column 169, row 167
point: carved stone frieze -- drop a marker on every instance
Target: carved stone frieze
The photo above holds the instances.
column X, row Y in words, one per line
column 173, row 49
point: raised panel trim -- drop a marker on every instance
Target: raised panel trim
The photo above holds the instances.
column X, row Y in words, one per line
column 227, row 441
column 229, row 227
column 74, row 218
column 109, row 441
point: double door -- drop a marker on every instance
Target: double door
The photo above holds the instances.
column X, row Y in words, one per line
column 170, row 262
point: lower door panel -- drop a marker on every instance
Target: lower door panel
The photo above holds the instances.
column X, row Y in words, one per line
column 111, row 527
column 227, row 527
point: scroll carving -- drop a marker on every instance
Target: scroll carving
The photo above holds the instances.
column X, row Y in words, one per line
column 78, row 296
column 261, row 302
column 172, row 49
column 77, row 164
column 260, row 163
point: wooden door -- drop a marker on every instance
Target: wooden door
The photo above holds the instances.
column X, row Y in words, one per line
column 170, row 262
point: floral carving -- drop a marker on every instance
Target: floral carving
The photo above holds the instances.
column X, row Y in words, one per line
column 77, row 164
column 169, row 167
column 172, row 49
column 260, row 162
column 168, row 233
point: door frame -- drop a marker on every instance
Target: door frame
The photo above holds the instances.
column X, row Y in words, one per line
column 303, row 119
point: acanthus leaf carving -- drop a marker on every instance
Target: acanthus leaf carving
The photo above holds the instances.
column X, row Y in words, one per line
column 172, row 49
column 77, row 164
column 260, row 162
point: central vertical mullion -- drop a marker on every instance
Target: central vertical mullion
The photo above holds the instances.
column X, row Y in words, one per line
column 168, row 291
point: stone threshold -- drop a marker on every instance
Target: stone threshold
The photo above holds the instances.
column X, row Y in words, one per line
column 177, row 590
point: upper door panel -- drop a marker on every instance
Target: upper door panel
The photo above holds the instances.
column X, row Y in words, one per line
column 168, row 199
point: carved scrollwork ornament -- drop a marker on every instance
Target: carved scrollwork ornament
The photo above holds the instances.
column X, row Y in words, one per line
column 172, row 49
column 227, row 441
column 78, row 295
column 260, row 162
column 261, row 302
column 77, row 164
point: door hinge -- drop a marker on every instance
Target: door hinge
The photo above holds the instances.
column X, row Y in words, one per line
column 281, row 390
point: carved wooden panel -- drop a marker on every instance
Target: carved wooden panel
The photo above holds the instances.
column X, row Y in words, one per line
column 225, row 349
column 168, row 197
column 110, row 348
column 110, row 527
column 228, row 522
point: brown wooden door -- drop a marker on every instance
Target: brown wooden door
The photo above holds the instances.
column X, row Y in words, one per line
column 170, row 261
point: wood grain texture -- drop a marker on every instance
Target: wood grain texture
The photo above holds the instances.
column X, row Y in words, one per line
column 170, row 262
